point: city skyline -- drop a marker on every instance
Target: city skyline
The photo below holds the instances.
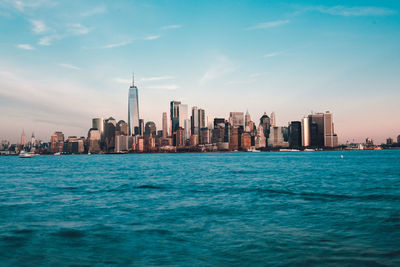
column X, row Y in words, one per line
column 59, row 71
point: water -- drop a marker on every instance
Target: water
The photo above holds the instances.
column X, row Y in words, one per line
column 300, row 208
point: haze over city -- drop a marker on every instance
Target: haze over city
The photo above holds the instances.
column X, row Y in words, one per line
column 63, row 63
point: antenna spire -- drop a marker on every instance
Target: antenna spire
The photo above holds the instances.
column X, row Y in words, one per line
column 133, row 79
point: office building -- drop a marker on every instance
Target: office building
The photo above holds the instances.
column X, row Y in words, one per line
column 98, row 123
column 133, row 109
column 164, row 125
column 265, row 122
column 174, row 115
column 122, row 128
column 236, row 119
column 150, row 129
column 305, row 132
column 295, row 140
column 276, row 138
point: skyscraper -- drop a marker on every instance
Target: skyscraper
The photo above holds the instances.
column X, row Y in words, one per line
column 305, row 132
column 98, row 123
column 133, row 109
column 330, row 138
column 195, row 121
column 23, row 138
column 236, row 119
column 164, row 125
column 273, row 119
column 174, row 115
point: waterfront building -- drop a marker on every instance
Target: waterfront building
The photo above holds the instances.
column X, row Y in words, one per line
column 317, row 136
column 265, row 122
column 295, row 140
column 330, row 138
column 202, row 118
column 187, row 129
column 180, row 137
column 122, row 128
column 398, row 139
column 121, row 143
column 260, row 140
column 164, row 125
column 247, row 121
column 194, row 140
column 236, row 119
column 194, row 120
column 57, row 142
column 273, row 119
column 98, row 123
column 245, row 143
column 205, row 137
column 183, row 115
column 133, row 109
column 305, row 132
column 150, row 129
column 276, row 138
column 150, row 143
column 174, row 115
column 234, row 140
column 109, row 137
column 227, row 134
column 93, row 140
column 140, row 144
column 218, row 133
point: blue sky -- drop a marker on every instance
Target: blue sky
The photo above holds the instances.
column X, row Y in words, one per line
column 65, row 62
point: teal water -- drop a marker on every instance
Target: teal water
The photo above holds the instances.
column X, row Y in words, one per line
column 299, row 208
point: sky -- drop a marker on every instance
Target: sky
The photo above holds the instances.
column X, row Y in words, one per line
column 63, row 63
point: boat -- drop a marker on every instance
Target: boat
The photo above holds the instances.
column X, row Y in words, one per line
column 24, row 154
column 288, row 150
column 253, row 149
column 57, row 154
column 309, row 149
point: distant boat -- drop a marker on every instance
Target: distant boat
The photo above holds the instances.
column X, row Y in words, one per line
column 253, row 150
column 24, row 154
column 57, row 154
column 309, row 149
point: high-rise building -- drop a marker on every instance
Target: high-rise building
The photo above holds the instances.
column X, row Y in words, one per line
column 122, row 128
column 330, row 138
column 150, row 129
column 276, row 138
column 183, row 115
column 174, row 115
column 202, row 118
column 295, row 140
column 23, row 138
column 141, row 126
column 98, row 123
column 305, row 132
column 273, row 119
column 260, row 140
column 236, row 119
column 316, row 129
column 164, row 125
column 180, row 137
column 133, row 109
column 266, row 124
column 194, row 120
column 93, row 140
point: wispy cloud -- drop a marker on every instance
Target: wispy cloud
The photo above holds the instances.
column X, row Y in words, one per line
column 221, row 67
column 117, row 44
column 78, row 29
column 270, row 24
column 273, row 54
column 163, row 87
column 122, row 80
column 47, row 40
column 157, row 78
column 69, row 66
column 39, row 26
column 152, row 37
column 94, row 11
column 169, row 27
column 353, row 11
column 25, row 46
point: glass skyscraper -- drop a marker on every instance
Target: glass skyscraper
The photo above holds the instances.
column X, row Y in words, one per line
column 133, row 109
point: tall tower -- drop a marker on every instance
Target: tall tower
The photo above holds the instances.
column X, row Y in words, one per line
column 133, row 109
column 164, row 125
column 175, row 113
column 23, row 138
column 273, row 119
